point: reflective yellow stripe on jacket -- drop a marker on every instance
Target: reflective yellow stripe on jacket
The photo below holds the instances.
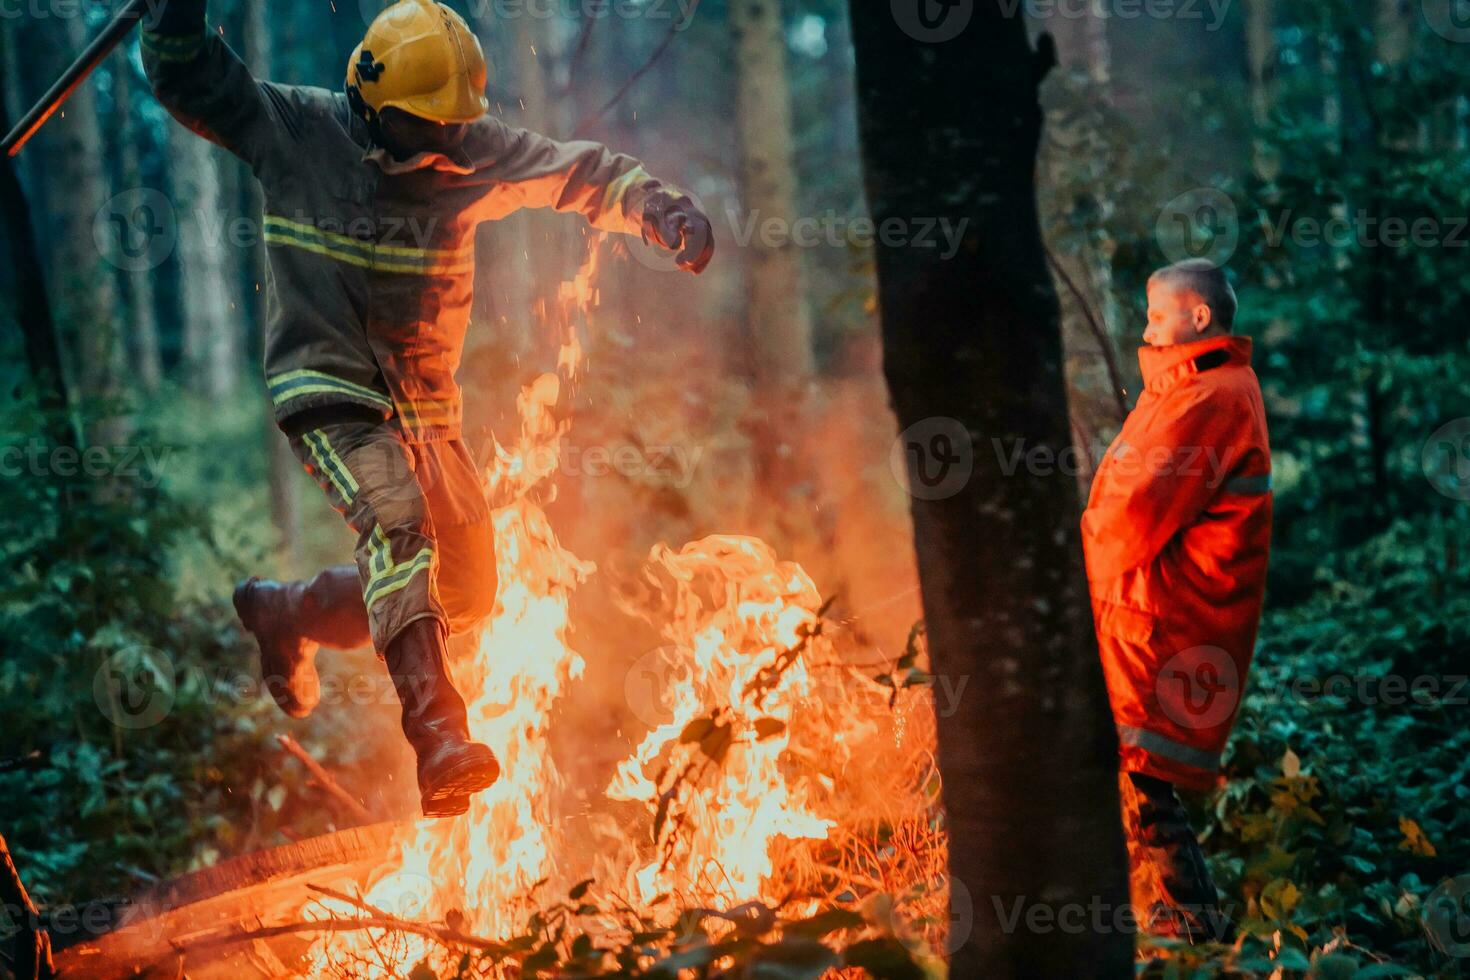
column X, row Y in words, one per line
column 166, row 47
column 375, row 256
column 427, row 413
column 296, row 384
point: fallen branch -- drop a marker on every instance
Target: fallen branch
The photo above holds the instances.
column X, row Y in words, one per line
column 367, row 907
column 324, row 779
column 441, row 934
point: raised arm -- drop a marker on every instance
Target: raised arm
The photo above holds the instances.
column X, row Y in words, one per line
column 611, row 190
column 205, row 85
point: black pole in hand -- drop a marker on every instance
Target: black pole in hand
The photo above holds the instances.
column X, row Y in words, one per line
column 128, row 16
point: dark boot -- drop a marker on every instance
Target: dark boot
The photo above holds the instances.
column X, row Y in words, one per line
column 290, row 619
column 450, row 767
column 332, row 610
column 1186, row 906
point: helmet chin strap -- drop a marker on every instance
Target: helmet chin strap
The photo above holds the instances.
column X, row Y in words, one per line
column 368, row 115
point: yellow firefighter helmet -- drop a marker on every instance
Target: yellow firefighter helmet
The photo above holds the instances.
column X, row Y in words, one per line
column 421, row 57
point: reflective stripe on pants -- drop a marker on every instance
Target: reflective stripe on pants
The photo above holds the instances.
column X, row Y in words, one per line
column 425, row 542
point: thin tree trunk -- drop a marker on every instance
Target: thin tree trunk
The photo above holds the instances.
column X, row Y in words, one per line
column 87, row 300
column 142, row 306
column 1100, row 74
column 973, row 361
column 282, row 465
column 1331, row 97
column 1099, row 49
column 32, row 308
column 1260, row 49
column 780, row 323
column 522, row 253
column 211, row 346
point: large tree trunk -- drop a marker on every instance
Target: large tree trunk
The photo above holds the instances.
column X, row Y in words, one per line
column 211, row 347
column 142, row 306
column 972, row 356
column 780, row 323
column 282, row 465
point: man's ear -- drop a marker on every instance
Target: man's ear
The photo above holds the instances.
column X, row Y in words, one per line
column 1202, row 317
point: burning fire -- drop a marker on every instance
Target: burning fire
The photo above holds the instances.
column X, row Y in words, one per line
column 714, row 775
column 721, row 784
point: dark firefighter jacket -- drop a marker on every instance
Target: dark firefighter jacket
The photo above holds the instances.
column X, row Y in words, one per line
column 371, row 260
column 1176, row 535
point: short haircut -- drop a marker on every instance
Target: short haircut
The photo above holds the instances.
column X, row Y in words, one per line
column 1206, row 280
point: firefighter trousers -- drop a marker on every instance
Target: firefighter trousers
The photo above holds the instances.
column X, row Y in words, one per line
column 425, row 542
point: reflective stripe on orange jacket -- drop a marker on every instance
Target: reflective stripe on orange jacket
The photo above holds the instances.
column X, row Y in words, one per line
column 1176, row 535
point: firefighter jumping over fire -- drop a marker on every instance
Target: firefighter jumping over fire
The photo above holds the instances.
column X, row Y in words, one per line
column 366, row 330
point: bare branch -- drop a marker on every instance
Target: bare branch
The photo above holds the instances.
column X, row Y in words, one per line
column 1104, row 343
column 325, row 780
column 627, row 86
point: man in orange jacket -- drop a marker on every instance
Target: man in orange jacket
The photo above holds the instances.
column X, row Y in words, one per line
column 1176, row 536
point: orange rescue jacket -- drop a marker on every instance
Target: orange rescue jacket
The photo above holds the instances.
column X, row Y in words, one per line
column 1176, row 535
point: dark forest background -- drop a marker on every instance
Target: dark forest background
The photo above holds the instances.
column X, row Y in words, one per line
column 1319, row 148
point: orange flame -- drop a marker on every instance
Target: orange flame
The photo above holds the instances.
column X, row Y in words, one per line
column 717, row 779
column 736, row 609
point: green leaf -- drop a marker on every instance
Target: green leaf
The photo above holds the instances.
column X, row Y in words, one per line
column 768, row 727
column 544, row 957
column 696, row 730
column 1292, row 959
column 1376, row 970
column 824, row 923
column 793, row 959
column 883, row 959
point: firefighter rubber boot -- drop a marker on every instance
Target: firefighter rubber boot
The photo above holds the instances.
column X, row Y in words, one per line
column 451, row 767
column 290, row 619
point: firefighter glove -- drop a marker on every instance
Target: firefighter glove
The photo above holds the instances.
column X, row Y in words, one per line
column 671, row 219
